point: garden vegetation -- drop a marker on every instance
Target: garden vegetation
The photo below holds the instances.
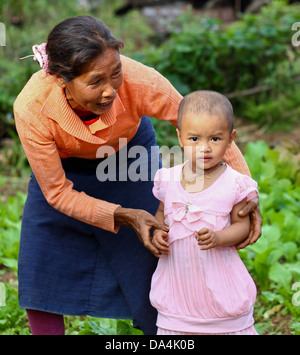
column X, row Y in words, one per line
column 252, row 61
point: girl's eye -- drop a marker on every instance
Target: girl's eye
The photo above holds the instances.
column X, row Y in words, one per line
column 215, row 139
column 194, row 139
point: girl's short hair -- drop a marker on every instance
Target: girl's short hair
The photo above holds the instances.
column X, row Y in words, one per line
column 75, row 42
column 206, row 102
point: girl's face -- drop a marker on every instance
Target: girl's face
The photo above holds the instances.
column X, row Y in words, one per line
column 96, row 88
column 205, row 139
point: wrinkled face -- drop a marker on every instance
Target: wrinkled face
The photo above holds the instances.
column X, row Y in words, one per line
column 205, row 139
column 96, row 88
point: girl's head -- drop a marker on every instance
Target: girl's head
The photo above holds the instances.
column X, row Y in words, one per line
column 83, row 56
column 205, row 127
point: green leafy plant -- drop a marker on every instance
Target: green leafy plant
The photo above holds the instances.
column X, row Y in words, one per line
column 274, row 260
column 10, row 228
column 105, row 326
column 253, row 54
column 29, row 22
column 13, row 320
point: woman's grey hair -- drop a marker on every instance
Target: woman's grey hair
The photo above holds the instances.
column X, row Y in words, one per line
column 75, row 42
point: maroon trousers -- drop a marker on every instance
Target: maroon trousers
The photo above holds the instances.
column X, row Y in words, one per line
column 43, row 323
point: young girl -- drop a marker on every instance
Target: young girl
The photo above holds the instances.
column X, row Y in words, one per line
column 201, row 286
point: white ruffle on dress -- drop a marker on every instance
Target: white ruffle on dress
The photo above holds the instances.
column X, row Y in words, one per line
column 201, row 291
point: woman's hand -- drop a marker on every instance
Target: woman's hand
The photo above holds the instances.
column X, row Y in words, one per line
column 141, row 222
column 251, row 209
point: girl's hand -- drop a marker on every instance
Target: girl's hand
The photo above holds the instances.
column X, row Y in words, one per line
column 207, row 239
column 251, row 209
column 141, row 222
column 160, row 241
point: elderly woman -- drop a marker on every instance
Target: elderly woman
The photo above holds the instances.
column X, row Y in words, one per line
column 77, row 254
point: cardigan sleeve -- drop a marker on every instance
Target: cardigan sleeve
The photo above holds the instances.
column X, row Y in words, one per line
column 234, row 158
column 44, row 159
column 160, row 99
column 165, row 100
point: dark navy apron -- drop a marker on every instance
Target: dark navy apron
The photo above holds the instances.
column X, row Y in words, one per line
column 69, row 267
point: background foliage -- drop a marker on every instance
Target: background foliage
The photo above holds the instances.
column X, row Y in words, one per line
column 252, row 60
column 252, row 53
column 200, row 53
column 274, row 260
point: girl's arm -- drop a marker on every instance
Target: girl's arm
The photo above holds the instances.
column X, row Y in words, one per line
column 234, row 158
column 160, row 215
column 232, row 235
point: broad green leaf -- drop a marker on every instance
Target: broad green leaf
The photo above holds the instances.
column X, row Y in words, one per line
column 296, row 328
column 261, row 270
column 103, row 326
column 10, row 263
column 272, row 233
column 268, row 170
column 272, row 297
column 289, row 251
column 274, row 256
column 254, row 153
column 294, row 268
column 281, row 276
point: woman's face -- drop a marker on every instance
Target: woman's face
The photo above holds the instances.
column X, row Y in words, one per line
column 96, row 88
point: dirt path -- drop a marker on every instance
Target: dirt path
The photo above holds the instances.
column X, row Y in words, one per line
column 250, row 132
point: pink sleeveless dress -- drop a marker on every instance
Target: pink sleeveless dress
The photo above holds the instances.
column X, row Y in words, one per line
column 201, row 291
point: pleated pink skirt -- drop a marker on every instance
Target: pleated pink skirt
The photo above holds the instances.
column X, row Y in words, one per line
column 249, row 331
column 202, row 291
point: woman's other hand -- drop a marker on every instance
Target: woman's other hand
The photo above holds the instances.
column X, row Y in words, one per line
column 251, row 209
column 141, row 222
